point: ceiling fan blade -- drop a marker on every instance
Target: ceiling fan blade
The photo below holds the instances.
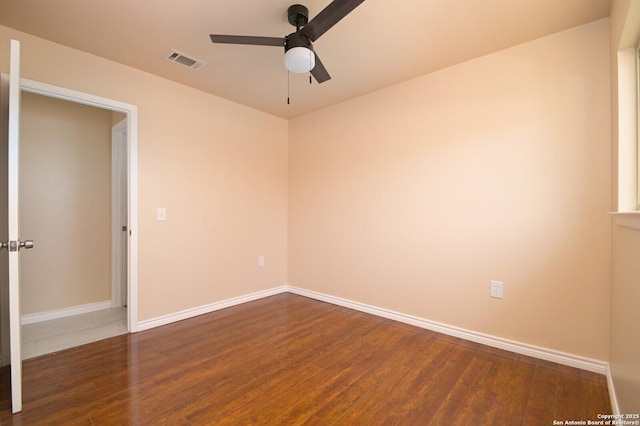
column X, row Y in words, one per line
column 328, row 17
column 319, row 72
column 252, row 40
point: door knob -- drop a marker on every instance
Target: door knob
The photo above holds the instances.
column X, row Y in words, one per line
column 16, row 245
column 27, row 244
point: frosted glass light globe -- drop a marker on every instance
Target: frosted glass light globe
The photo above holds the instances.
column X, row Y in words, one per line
column 299, row 60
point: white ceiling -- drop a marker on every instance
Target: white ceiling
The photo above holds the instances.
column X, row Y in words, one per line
column 380, row 43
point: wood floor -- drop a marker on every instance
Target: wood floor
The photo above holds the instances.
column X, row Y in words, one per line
column 287, row 360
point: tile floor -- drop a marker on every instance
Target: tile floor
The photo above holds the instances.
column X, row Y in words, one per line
column 51, row 336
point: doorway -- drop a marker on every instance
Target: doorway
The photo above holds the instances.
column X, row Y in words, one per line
column 120, row 110
column 66, row 180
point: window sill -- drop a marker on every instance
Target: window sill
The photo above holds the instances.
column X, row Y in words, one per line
column 627, row 219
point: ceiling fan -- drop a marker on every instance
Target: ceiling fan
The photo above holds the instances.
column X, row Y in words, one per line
column 299, row 56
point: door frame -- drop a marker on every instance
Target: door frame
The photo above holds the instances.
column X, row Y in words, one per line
column 118, row 220
column 131, row 112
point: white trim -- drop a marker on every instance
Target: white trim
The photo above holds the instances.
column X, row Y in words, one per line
column 559, row 357
column 66, row 312
column 132, row 145
column 118, row 213
column 612, row 392
column 564, row 358
column 627, row 219
column 205, row 309
column 72, row 95
column 132, row 205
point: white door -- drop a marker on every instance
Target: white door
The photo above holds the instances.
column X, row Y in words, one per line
column 14, row 244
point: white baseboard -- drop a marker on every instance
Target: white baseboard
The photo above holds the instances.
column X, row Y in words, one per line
column 564, row 358
column 559, row 357
column 66, row 312
column 205, row 309
column 612, row 392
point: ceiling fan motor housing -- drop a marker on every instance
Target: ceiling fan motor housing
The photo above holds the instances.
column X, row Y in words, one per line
column 298, row 15
column 297, row 40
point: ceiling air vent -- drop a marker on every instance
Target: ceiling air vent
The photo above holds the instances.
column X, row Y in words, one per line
column 183, row 59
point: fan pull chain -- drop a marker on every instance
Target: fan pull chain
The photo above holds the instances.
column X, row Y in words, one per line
column 288, row 84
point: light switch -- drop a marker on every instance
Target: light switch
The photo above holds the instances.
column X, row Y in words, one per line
column 261, row 261
column 161, row 213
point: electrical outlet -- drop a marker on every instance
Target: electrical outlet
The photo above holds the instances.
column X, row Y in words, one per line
column 497, row 289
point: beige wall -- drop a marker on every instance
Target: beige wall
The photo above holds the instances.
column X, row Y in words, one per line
column 413, row 198
column 65, row 203
column 117, row 117
column 219, row 168
column 625, row 289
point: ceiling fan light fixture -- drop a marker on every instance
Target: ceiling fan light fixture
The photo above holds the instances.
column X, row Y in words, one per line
column 299, row 59
column 299, row 56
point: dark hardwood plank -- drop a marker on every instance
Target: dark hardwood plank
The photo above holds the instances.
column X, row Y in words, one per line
column 541, row 405
column 291, row 360
column 570, row 403
column 434, row 393
column 596, row 394
column 459, row 398
column 422, row 380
